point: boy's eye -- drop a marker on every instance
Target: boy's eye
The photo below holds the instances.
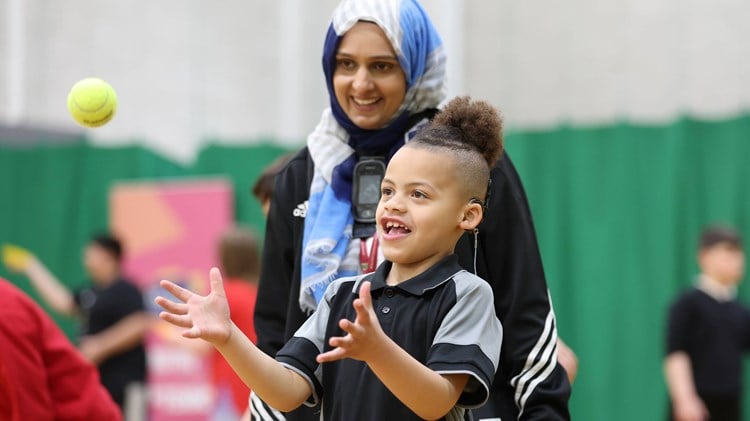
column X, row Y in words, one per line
column 385, row 191
column 419, row 195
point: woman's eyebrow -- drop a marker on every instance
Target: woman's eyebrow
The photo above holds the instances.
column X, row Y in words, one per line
column 344, row 54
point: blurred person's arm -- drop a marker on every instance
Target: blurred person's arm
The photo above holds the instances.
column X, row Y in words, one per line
column 686, row 404
column 568, row 359
column 678, row 369
column 116, row 339
column 52, row 291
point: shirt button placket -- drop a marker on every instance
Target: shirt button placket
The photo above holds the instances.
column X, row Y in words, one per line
column 385, row 309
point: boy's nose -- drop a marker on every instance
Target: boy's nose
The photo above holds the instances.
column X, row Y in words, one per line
column 394, row 205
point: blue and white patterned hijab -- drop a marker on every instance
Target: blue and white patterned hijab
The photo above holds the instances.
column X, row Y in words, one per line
column 328, row 251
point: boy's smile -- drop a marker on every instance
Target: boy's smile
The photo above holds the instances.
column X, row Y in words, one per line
column 394, row 228
column 421, row 210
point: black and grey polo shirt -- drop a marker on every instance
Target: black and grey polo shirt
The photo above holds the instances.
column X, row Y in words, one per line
column 443, row 317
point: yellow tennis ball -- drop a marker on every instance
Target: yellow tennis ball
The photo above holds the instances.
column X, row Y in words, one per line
column 92, row 102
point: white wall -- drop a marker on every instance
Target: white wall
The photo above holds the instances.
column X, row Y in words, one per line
column 188, row 70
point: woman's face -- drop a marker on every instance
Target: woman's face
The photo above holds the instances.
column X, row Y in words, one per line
column 368, row 81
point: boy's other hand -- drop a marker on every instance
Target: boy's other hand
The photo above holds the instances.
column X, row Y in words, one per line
column 203, row 317
column 364, row 336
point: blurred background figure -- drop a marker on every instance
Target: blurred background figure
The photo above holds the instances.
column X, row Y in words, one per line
column 263, row 188
column 568, row 359
column 708, row 331
column 111, row 311
column 239, row 259
column 42, row 376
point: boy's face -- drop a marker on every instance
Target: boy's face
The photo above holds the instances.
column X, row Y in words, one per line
column 422, row 208
column 723, row 262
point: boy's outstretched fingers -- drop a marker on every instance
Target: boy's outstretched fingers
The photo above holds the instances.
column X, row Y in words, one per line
column 350, row 346
column 175, row 313
column 171, row 306
column 206, row 317
column 181, row 293
column 363, row 304
column 179, row 321
column 216, row 283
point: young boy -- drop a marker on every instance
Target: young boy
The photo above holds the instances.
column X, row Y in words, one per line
column 707, row 333
column 416, row 339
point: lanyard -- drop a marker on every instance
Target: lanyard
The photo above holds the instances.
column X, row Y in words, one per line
column 368, row 261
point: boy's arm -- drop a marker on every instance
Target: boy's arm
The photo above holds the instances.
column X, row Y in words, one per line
column 686, row 404
column 429, row 394
column 208, row 318
column 277, row 385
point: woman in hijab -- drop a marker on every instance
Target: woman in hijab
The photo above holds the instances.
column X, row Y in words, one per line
column 384, row 66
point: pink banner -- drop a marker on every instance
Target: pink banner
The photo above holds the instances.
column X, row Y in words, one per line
column 170, row 231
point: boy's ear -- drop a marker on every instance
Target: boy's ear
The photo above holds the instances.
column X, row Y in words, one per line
column 473, row 214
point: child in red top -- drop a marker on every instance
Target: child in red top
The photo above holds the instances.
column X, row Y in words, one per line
column 239, row 259
column 42, row 376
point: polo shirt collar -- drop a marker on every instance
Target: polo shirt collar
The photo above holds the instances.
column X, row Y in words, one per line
column 715, row 289
column 433, row 277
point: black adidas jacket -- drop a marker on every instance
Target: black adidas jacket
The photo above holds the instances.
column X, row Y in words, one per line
column 529, row 380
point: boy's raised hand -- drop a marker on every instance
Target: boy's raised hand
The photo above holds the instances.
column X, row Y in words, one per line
column 364, row 335
column 203, row 317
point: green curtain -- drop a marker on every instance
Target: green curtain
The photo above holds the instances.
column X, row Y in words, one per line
column 617, row 212
column 56, row 197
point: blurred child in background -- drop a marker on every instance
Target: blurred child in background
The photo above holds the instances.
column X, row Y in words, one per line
column 708, row 331
column 263, row 188
column 239, row 259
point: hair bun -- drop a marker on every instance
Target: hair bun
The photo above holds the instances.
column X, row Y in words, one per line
column 479, row 123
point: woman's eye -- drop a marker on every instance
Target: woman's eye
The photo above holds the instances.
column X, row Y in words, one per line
column 345, row 64
column 382, row 66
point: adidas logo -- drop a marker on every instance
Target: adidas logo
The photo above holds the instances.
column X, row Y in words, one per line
column 300, row 210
